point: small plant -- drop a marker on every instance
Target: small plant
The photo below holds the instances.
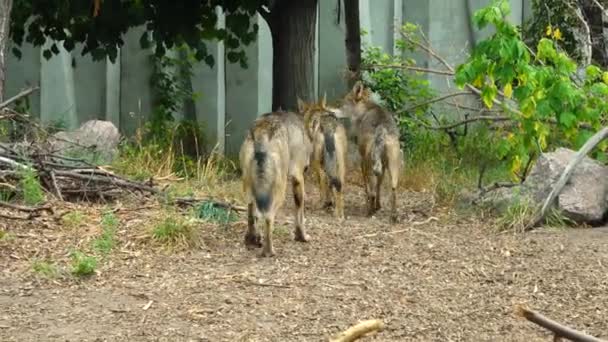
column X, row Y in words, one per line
column 45, row 268
column 209, row 211
column 83, row 265
column 174, row 231
column 32, row 191
column 73, row 219
column 6, row 236
column 517, row 216
column 106, row 242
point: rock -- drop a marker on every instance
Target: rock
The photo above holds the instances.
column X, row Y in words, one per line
column 582, row 200
column 93, row 139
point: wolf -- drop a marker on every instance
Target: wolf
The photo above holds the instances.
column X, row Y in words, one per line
column 329, row 141
column 377, row 136
column 277, row 149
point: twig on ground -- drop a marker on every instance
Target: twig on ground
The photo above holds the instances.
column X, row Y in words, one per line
column 251, row 282
column 357, row 331
column 25, row 209
column 20, row 218
column 556, row 328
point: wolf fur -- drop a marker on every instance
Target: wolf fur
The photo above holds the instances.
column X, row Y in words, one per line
column 275, row 150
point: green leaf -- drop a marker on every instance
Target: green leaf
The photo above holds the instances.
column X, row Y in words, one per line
column 17, row 52
column 47, row 54
column 210, row 61
column 592, row 72
column 144, row 41
column 488, row 94
column 568, row 119
column 582, row 138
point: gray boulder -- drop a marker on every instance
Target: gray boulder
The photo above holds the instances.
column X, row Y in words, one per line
column 94, row 139
column 582, row 200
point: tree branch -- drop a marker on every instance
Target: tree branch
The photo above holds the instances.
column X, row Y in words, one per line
column 23, row 93
column 407, row 67
column 556, row 328
column 587, row 47
column 602, row 8
column 467, row 121
column 437, row 99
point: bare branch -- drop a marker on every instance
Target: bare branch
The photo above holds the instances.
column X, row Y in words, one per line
column 587, row 48
column 408, row 67
column 469, row 120
column 23, row 93
column 556, row 328
column 437, row 99
column 602, row 8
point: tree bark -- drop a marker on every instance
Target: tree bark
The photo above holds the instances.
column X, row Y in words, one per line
column 5, row 20
column 353, row 40
column 292, row 25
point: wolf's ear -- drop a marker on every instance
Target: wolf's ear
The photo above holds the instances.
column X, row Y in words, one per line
column 315, row 125
column 324, row 100
column 358, row 89
column 301, row 106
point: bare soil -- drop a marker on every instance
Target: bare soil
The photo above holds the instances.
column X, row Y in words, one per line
column 435, row 276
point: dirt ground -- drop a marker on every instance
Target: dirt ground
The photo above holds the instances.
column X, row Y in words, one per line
column 435, row 276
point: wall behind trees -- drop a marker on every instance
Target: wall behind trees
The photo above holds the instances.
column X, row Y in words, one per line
column 75, row 89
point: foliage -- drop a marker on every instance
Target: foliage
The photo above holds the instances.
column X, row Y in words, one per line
column 32, row 191
column 171, row 92
column 556, row 15
column 551, row 108
column 166, row 24
column 83, row 265
column 397, row 87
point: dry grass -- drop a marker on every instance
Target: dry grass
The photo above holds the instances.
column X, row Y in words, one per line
column 174, row 231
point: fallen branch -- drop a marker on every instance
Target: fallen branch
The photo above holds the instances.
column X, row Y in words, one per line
column 357, row 331
column 108, row 180
column 566, row 174
column 559, row 330
column 25, row 209
column 23, row 93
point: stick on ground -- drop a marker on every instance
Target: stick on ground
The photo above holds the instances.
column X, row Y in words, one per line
column 357, row 331
column 558, row 329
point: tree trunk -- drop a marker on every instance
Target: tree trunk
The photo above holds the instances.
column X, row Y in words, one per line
column 292, row 25
column 353, row 40
column 595, row 18
column 5, row 20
